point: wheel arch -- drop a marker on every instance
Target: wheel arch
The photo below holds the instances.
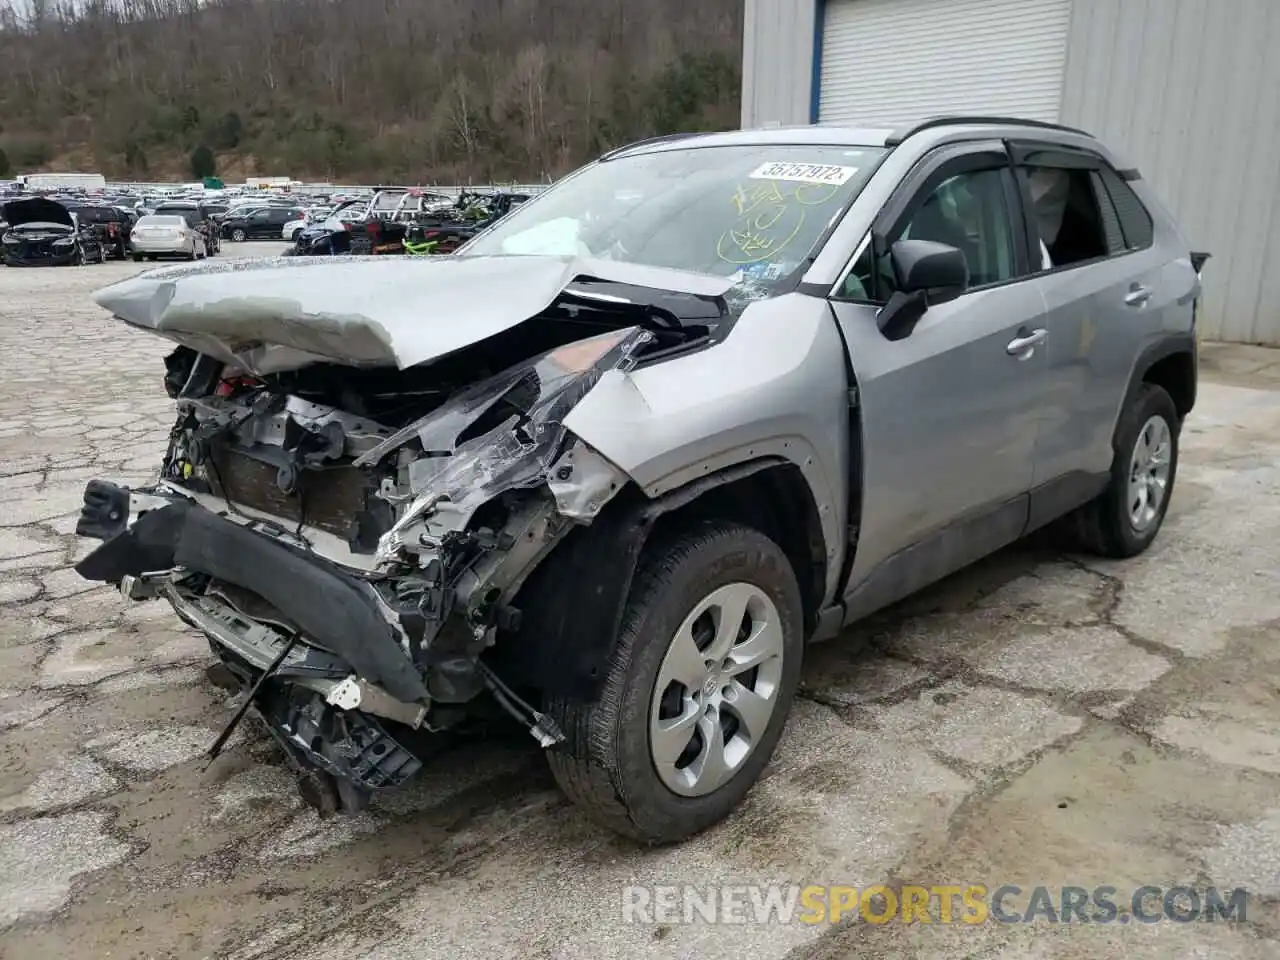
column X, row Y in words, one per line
column 563, row 649
column 1169, row 363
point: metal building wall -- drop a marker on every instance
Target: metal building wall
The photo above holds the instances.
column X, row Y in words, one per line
column 1190, row 91
column 779, row 39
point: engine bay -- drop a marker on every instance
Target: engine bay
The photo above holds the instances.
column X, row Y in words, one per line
column 353, row 538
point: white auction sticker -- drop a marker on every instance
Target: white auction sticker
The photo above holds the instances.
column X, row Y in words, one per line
column 829, row 174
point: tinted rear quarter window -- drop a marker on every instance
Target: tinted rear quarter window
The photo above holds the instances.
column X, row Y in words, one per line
column 1110, row 217
column 1135, row 221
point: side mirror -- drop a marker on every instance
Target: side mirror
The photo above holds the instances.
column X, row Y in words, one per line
column 927, row 273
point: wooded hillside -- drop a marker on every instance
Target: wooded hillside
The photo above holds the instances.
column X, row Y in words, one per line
column 357, row 90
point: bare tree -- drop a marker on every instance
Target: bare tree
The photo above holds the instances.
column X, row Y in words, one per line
column 437, row 89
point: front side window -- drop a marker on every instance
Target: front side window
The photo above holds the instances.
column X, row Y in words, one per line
column 754, row 212
column 968, row 211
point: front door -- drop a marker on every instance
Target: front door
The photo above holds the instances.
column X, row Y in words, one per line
column 258, row 224
column 950, row 414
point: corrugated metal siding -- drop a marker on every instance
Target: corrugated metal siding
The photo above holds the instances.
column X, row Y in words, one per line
column 777, row 61
column 894, row 61
column 1190, row 91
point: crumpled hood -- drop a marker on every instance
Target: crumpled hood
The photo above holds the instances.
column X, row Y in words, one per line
column 280, row 314
column 36, row 210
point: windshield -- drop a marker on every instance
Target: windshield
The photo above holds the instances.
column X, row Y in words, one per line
column 161, row 222
column 192, row 215
column 387, row 201
column 755, row 212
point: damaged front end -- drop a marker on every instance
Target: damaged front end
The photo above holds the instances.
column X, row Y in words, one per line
column 353, row 540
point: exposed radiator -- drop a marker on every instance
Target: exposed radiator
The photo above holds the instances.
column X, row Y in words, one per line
column 329, row 499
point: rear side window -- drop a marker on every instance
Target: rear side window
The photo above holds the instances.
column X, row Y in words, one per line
column 1135, row 221
column 1067, row 215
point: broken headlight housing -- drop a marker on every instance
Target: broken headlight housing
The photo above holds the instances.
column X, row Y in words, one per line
column 502, row 434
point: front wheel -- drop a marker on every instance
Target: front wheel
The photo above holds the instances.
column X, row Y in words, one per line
column 238, row 236
column 1125, row 518
column 697, row 693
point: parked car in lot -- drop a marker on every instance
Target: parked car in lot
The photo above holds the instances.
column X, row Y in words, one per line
column 306, row 218
column 44, row 233
column 261, row 224
column 331, row 236
column 110, row 224
column 707, row 399
column 167, row 235
column 292, row 228
column 199, row 216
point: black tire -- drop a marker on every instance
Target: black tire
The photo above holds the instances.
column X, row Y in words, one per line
column 605, row 765
column 137, row 258
column 1104, row 526
column 238, row 236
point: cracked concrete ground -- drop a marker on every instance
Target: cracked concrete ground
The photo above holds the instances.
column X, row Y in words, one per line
column 1041, row 719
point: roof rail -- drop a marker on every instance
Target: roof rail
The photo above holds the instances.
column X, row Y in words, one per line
column 618, row 151
column 898, row 136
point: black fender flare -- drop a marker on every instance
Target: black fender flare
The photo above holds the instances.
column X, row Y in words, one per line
column 573, row 603
column 1168, row 345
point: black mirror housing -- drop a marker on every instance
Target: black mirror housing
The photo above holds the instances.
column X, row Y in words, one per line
column 927, row 273
column 926, row 266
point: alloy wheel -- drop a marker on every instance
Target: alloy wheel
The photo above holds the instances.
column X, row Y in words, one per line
column 717, row 689
column 1149, row 472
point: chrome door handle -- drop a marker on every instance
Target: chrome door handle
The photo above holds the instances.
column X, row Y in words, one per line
column 1022, row 347
column 1137, row 296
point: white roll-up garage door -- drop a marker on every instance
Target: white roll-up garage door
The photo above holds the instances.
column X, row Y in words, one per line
column 888, row 62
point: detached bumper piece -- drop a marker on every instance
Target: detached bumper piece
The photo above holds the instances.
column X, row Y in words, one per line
column 350, row 746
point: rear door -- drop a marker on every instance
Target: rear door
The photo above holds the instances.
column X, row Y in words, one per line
column 1105, row 300
column 950, row 414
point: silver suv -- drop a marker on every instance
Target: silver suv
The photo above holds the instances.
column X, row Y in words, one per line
column 610, row 466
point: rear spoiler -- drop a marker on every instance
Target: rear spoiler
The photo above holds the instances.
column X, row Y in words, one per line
column 1198, row 259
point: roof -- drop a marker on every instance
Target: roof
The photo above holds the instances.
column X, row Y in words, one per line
column 937, row 128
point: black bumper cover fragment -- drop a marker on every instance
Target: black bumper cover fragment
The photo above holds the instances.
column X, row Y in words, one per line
column 325, row 604
column 350, row 746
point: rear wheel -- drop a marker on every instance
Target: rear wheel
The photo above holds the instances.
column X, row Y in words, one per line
column 1124, row 520
column 698, row 691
